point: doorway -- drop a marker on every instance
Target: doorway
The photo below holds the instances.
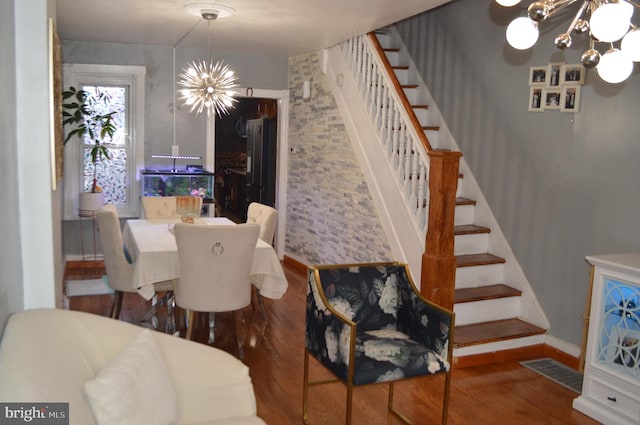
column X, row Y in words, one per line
column 246, row 142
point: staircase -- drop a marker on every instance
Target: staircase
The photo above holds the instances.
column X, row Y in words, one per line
column 497, row 314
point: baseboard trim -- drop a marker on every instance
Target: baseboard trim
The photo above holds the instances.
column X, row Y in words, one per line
column 295, row 264
column 519, row 354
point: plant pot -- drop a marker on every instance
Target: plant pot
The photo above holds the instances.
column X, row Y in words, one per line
column 90, row 202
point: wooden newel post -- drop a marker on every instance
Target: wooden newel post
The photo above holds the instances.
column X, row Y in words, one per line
column 438, row 261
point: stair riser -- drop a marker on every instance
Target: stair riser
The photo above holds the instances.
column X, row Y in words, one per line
column 403, row 76
column 486, row 310
column 474, row 276
column 393, row 57
column 412, row 95
column 464, row 214
column 493, row 347
column 468, row 244
column 385, row 40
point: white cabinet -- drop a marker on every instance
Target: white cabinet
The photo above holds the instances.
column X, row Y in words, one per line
column 611, row 385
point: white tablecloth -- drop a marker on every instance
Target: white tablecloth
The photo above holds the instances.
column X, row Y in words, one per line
column 152, row 247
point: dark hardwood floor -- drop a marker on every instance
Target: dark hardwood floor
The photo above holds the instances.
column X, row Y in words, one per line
column 505, row 393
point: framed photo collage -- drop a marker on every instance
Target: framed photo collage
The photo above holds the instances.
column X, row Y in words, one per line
column 555, row 86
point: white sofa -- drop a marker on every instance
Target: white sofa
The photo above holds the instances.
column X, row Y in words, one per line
column 47, row 355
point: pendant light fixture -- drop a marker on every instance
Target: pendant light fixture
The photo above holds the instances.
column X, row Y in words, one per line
column 605, row 21
column 207, row 85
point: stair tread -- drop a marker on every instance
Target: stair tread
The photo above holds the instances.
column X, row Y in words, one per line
column 464, row 201
column 409, row 86
column 420, row 106
column 391, row 49
column 499, row 330
column 470, row 229
column 402, row 67
column 489, row 292
column 431, row 127
column 468, row 260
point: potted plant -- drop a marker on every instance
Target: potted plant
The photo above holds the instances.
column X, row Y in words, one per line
column 84, row 111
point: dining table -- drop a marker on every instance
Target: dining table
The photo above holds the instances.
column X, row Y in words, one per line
column 151, row 245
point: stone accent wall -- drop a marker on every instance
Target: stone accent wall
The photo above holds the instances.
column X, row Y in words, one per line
column 331, row 217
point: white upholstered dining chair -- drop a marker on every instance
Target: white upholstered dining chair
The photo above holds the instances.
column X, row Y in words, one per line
column 266, row 217
column 159, row 207
column 120, row 270
column 215, row 263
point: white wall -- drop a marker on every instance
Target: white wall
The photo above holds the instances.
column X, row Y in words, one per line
column 32, row 244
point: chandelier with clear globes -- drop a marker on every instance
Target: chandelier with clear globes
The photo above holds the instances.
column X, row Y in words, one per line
column 607, row 23
column 207, row 85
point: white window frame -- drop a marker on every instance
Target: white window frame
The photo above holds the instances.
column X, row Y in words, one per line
column 134, row 76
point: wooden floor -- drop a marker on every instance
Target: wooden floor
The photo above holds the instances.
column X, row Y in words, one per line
column 506, row 393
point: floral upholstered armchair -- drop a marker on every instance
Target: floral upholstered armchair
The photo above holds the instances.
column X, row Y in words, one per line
column 367, row 323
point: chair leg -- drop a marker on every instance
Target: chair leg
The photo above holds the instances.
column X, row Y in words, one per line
column 190, row 324
column 260, row 302
column 445, row 403
column 117, row 305
column 237, row 332
column 154, row 309
column 212, row 328
column 305, row 388
column 391, row 410
column 151, row 315
column 170, row 325
column 349, row 402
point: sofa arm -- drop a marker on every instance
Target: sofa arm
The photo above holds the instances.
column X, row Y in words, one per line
column 210, row 383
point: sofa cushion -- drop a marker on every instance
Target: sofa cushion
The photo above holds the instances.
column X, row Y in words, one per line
column 134, row 388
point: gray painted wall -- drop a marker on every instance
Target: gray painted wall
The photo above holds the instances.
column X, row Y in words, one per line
column 263, row 72
column 331, row 217
column 561, row 185
column 11, row 291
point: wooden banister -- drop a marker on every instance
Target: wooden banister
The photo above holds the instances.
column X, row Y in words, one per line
column 398, row 88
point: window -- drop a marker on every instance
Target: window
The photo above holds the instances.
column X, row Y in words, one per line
column 123, row 86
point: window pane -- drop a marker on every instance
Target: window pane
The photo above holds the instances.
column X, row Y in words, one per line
column 111, row 98
column 111, row 176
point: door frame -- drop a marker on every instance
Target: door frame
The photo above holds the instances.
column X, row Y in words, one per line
column 282, row 98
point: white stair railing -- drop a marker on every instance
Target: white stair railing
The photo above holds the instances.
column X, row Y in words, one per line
column 397, row 135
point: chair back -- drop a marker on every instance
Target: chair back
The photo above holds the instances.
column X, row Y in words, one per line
column 350, row 289
column 264, row 216
column 215, row 263
column 119, row 271
column 188, row 206
column 159, row 207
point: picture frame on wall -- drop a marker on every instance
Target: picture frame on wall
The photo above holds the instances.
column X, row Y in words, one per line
column 535, row 99
column 537, row 75
column 573, row 74
column 551, row 98
column 554, row 74
column 570, row 98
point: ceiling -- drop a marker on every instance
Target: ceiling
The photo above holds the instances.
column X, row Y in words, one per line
column 273, row 27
